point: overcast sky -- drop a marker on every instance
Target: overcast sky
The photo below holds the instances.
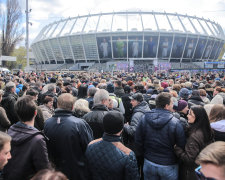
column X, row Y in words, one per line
column 46, row 11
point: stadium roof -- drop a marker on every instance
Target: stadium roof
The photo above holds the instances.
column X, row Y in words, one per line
column 131, row 21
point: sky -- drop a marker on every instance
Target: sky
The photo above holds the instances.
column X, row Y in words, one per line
column 44, row 12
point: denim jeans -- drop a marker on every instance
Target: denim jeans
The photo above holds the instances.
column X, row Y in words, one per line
column 154, row 171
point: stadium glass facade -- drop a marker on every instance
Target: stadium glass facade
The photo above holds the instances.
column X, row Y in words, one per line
column 168, row 37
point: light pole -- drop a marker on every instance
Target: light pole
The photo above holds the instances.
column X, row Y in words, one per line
column 27, row 36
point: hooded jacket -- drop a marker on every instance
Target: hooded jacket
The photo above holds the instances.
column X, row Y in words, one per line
column 219, row 130
column 8, row 101
column 138, row 112
column 28, row 150
column 156, row 134
column 195, row 100
column 95, row 119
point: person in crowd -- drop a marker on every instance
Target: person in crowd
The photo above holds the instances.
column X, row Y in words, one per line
column 184, row 94
column 107, row 157
column 118, row 91
column 140, row 107
column 8, row 101
column 82, row 91
column 126, row 102
column 29, row 151
column 217, row 90
column 39, row 119
column 47, row 108
column 5, row 148
column 110, row 89
column 68, row 139
column 181, row 112
column 19, row 85
column 216, row 100
column 195, row 99
column 217, row 119
column 211, row 161
column 24, row 90
column 199, row 135
column 90, row 98
column 156, row 135
column 51, row 91
column 4, row 121
column 47, row 174
column 203, row 95
column 100, row 108
column 81, row 108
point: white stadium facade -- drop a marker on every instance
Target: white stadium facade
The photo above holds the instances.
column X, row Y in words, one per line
column 129, row 39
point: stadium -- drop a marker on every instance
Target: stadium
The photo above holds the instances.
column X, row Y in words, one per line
column 134, row 41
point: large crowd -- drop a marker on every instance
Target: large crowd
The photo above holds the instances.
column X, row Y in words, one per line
column 112, row 126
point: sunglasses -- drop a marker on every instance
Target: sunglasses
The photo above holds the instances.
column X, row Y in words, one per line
column 200, row 175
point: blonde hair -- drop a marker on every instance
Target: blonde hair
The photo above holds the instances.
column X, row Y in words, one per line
column 213, row 154
column 82, row 105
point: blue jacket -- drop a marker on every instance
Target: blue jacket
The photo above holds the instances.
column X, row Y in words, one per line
column 157, row 134
column 68, row 140
column 19, row 88
column 109, row 159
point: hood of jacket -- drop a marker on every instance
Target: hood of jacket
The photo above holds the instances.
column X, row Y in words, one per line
column 218, row 126
column 99, row 107
column 142, row 107
column 158, row 118
column 21, row 135
column 196, row 98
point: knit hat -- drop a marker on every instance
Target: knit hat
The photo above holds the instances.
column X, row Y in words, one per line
column 164, row 84
column 184, row 93
column 181, row 105
column 110, row 88
column 113, row 122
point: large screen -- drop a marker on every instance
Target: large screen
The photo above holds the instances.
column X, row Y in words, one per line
column 150, row 46
column 178, row 47
column 104, row 47
column 135, row 46
column 120, row 47
column 164, row 47
column 200, row 48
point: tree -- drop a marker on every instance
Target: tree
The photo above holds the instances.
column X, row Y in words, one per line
column 20, row 54
column 11, row 27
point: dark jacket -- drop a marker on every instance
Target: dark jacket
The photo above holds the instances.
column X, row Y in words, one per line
column 90, row 102
column 181, row 116
column 79, row 113
column 219, row 130
column 127, row 106
column 138, row 112
column 109, row 159
column 195, row 100
column 28, row 150
column 68, row 140
column 119, row 91
column 8, row 101
column 95, row 119
column 156, row 134
column 4, row 121
column 39, row 119
column 195, row 143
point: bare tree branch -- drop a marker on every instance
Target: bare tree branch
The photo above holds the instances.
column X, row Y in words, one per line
column 10, row 26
